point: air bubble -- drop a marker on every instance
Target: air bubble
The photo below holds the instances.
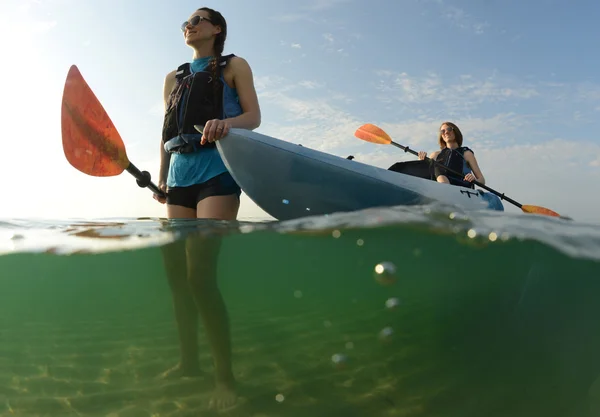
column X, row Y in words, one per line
column 392, row 303
column 385, row 335
column 339, row 360
column 385, row 273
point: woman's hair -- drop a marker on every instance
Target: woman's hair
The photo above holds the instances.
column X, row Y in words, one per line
column 457, row 135
column 217, row 19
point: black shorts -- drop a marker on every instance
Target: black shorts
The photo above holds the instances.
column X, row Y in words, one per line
column 222, row 184
column 460, row 182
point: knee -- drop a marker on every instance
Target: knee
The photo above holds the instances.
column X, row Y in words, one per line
column 202, row 276
column 443, row 179
column 203, row 285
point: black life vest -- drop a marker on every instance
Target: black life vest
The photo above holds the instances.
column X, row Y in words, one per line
column 454, row 159
column 194, row 100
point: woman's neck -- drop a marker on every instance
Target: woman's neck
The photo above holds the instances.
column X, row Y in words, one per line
column 204, row 50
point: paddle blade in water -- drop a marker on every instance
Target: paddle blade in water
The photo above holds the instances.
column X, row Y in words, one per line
column 373, row 134
column 539, row 210
column 91, row 142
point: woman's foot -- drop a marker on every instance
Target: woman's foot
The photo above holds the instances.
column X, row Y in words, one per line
column 181, row 371
column 225, row 395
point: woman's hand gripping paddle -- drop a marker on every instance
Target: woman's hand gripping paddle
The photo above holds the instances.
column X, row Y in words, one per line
column 374, row 134
column 91, row 142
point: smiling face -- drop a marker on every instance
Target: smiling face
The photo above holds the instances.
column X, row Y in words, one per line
column 448, row 134
column 199, row 28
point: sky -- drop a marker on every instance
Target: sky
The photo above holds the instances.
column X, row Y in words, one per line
column 520, row 79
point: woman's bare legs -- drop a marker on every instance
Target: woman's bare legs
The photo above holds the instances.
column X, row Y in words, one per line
column 203, row 256
column 443, row 179
column 192, row 273
column 186, row 315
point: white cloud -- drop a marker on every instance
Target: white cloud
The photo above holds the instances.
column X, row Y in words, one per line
column 311, row 85
column 290, row 17
column 328, row 37
column 460, row 18
column 319, row 5
column 588, row 92
column 270, row 85
column 296, row 46
column 465, row 90
column 307, row 10
column 315, row 123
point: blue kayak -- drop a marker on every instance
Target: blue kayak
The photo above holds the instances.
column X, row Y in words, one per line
column 290, row 181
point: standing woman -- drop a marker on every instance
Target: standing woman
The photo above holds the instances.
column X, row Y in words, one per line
column 216, row 92
column 456, row 157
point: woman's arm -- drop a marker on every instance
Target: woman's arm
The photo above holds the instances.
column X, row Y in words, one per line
column 165, row 157
column 472, row 161
column 243, row 80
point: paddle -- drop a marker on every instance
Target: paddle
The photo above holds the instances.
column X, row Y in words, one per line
column 374, row 134
column 91, row 142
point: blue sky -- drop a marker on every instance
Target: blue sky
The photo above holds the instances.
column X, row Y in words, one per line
column 521, row 80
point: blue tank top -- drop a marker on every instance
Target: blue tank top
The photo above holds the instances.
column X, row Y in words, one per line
column 198, row 167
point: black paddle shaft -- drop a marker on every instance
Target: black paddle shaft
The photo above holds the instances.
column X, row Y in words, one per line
column 144, row 179
column 501, row 195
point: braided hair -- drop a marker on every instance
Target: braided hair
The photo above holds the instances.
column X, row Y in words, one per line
column 217, row 19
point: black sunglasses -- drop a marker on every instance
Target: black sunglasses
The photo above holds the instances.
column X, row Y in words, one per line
column 194, row 21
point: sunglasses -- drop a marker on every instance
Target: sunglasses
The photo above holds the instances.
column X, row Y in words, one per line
column 194, row 21
column 447, row 130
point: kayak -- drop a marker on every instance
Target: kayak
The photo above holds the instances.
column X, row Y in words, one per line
column 290, row 181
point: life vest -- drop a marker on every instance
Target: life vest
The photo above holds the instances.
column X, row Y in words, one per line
column 454, row 159
column 194, row 100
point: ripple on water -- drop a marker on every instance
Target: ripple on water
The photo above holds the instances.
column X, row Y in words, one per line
column 68, row 236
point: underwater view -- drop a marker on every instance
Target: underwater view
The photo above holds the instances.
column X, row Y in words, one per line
column 421, row 311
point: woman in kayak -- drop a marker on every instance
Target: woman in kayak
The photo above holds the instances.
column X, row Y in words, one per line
column 456, row 157
column 215, row 93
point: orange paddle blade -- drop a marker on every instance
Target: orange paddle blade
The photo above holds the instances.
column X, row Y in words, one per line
column 91, row 142
column 539, row 210
column 373, row 134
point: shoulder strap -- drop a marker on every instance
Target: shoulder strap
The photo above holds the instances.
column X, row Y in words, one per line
column 224, row 60
column 464, row 149
column 182, row 71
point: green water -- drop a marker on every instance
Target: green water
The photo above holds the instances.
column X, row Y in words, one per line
column 506, row 326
